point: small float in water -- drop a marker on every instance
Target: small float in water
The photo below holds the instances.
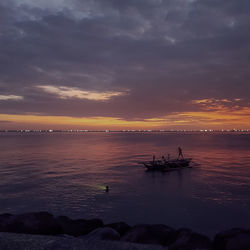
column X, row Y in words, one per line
column 167, row 165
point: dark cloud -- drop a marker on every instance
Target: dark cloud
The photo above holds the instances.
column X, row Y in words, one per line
column 166, row 53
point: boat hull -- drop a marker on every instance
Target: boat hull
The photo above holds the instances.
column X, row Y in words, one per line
column 175, row 164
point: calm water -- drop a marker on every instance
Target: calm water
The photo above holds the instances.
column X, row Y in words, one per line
column 66, row 174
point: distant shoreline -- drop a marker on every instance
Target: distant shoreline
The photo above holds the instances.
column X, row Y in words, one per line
column 246, row 131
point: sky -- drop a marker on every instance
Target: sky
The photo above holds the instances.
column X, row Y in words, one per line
column 124, row 64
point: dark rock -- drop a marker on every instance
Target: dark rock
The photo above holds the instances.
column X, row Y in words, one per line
column 78, row 227
column 188, row 240
column 45, row 223
column 92, row 224
column 120, row 227
column 234, row 239
column 11, row 241
column 68, row 226
column 32, row 223
column 150, row 234
column 4, row 218
column 105, row 233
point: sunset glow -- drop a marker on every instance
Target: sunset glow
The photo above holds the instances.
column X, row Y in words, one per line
column 213, row 119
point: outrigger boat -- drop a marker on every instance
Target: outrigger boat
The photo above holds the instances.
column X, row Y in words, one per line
column 168, row 165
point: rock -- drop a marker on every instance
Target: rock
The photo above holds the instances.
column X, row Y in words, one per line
column 4, row 218
column 78, row 227
column 120, row 227
column 188, row 240
column 12, row 241
column 69, row 226
column 234, row 239
column 150, row 234
column 33, row 223
column 105, row 233
column 92, row 224
column 44, row 223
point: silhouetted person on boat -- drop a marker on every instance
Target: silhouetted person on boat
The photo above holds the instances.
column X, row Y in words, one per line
column 153, row 159
column 168, row 157
column 163, row 159
column 180, row 153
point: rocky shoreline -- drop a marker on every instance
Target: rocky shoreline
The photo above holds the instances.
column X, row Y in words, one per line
column 42, row 230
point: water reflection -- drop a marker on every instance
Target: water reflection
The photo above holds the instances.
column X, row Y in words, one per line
column 66, row 173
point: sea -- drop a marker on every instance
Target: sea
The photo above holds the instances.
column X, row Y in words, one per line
column 66, row 174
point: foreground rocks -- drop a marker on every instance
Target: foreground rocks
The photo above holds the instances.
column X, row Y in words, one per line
column 80, row 232
column 187, row 239
column 105, row 233
column 77, row 227
column 234, row 239
column 151, row 234
column 11, row 241
column 120, row 227
column 33, row 223
column 46, row 224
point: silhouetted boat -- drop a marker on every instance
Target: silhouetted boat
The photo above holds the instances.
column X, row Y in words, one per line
column 168, row 165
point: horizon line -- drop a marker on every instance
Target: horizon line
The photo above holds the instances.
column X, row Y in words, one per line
column 122, row 130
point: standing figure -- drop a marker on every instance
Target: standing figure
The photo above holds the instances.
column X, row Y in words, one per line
column 180, row 153
column 153, row 159
column 163, row 159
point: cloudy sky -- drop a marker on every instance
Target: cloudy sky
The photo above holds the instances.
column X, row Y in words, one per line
column 113, row 64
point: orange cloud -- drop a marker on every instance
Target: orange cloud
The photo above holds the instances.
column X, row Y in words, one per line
column 220, row 112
